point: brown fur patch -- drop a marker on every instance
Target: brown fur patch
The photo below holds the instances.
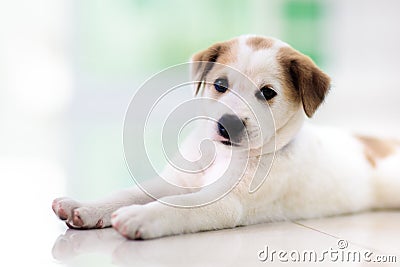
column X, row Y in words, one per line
column 223, row 53
column 258, row 43
column 375, row 148
column 305, row 79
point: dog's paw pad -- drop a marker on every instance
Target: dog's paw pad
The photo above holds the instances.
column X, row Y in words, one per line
column 138, row 234
column 63, row 207
column 62, row 214
column 76, row 219
column 99, row 224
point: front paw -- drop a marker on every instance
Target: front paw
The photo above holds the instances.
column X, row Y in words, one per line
column 64, row 206
column 144, row 221
column 78, row 216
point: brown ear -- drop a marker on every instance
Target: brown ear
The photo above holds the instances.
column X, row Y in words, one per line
column 203, row 61
column 311, row 83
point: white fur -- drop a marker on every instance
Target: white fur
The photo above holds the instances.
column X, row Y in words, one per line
column 316, row 171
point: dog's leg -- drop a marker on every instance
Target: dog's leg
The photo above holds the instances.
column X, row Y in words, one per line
column 97, row 214
column 157, row 219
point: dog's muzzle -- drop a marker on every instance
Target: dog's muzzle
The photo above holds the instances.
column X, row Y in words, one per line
column 231, row 128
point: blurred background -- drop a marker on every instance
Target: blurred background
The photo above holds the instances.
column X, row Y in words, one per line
column 68, row 70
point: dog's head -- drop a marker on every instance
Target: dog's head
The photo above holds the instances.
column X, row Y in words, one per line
column 267, row 86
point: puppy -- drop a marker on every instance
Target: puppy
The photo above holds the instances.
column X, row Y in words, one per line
column 275, row 168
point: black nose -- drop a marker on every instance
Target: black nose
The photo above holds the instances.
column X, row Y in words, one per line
column 230, row 127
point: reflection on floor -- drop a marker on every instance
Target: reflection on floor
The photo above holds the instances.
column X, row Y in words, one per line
column 355, row 240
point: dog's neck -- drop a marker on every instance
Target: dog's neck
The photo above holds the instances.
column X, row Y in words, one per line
column 283, row 135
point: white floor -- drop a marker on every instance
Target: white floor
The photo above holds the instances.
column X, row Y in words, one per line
column 34, row 173
column 375, row 232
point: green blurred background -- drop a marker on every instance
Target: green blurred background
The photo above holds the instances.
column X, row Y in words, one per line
column 119, row 38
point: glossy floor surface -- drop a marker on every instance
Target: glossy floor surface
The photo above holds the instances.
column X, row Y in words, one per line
column 353, row 240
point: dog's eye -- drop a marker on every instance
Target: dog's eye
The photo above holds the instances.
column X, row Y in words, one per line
column 221, row 85
column 266, row 93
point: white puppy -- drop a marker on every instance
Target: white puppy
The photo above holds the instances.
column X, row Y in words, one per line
column 310, row 172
